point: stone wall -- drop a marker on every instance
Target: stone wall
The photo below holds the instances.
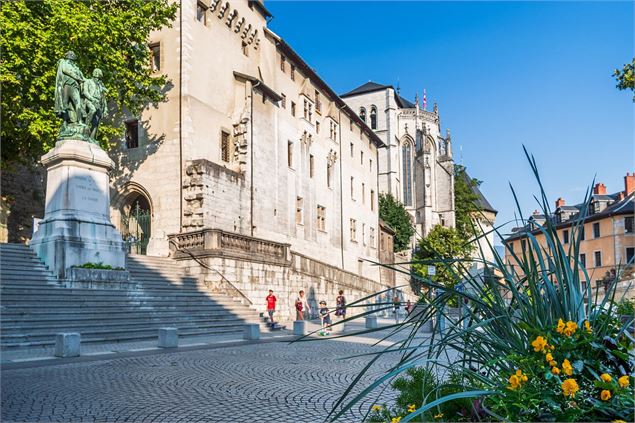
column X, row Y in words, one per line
column 223, row 265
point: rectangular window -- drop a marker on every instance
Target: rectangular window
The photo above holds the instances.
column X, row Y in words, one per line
column 317, row 127
column 372, row 237
column 311, row 165
column 283, row 63
column 596, row 230
column 353, row 230
column 318, row 104
column 372, row 200
column 352, row 188
column 582, row 233
column 597, row 255
column 298, row 211
column 132, row 133
column 224, row 146
column 565, row 236
column 363, row 233
column 352, row 155
column 583, row 261
column 628, row 224
column 290, row 154
column 306, row 109
column 201, row 12
column 284, row 101
column 363, row 193
column 292, row 72
column 329, row 174
column 292, row 108
column 361, row 158
column 155, row 57
column 321, row 218
column 630, row 255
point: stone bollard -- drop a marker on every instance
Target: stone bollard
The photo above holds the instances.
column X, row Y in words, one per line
column 299, row 328
column 168, row 338
column 371, row 322
column 67, row 344
column 251, row 332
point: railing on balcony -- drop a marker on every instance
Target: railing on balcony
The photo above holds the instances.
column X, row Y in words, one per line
column 219, row 243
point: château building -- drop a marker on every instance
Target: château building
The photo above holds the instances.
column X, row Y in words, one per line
column 416, row 166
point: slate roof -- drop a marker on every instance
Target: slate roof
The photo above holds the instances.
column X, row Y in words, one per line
column 371, row 86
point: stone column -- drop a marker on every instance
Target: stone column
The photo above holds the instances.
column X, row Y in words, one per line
column 76, row 228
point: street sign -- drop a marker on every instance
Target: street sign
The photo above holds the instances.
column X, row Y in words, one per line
column 432, row 270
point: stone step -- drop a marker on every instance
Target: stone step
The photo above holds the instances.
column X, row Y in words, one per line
column 123, row 337
column 54, row 291
column 83, row 326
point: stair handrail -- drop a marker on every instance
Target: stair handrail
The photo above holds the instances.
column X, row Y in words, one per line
column 233, row 289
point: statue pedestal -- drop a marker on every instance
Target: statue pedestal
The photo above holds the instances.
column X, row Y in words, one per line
column 76, row 227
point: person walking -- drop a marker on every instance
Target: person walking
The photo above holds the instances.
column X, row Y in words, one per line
column 271, row 305
column 302, row 306
column 395, row 307
column 340, row 306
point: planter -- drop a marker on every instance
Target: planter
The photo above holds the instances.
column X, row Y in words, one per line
column 418, row 313
column 78, row 277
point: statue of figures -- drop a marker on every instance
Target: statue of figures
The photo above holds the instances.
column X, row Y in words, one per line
column 94, row 93
column 68, row 102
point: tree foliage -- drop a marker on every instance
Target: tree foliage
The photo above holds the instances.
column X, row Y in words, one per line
column 626, row 77
column 395, row 215
column 443, row 248
column 465, row 201
column 111, row 35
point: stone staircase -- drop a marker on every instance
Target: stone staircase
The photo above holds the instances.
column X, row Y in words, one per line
column 35, row 306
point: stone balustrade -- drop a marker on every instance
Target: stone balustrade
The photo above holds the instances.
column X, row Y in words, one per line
column 218, row 243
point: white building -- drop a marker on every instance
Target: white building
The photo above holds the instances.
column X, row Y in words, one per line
column 416, row 166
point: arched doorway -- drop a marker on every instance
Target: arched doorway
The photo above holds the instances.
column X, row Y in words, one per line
column 135, row 222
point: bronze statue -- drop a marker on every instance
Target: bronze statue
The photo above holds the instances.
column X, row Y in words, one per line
column 80, row 102
column 94, row 93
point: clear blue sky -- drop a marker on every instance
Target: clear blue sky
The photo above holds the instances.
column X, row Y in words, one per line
column 503, row 73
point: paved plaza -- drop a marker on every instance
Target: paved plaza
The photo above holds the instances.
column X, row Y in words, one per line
column 265, row 382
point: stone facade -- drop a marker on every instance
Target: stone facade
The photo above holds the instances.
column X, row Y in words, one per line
column 416, row 167
column 252, row 142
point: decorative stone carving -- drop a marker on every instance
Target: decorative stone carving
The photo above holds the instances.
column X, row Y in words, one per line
column 331, row 158
column 241, row 144
column 239, row 25
column 230, row 19
column 246, row 31
column 223, row 10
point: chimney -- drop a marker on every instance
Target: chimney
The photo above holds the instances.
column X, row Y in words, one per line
column 629, row 183
column 599, row 189
column 559, row 202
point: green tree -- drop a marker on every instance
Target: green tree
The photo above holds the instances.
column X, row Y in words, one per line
column 395, row 215
column 465, row 201
column 626, row 77
column 443, row 248
column 110, row 35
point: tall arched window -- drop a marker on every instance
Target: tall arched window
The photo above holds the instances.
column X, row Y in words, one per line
column 373, row 117
column 362, row 114
column 406, row 153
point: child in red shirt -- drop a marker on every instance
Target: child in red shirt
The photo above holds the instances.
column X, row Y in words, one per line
column 271, row 305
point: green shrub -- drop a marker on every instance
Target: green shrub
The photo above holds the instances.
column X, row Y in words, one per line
column 99, row 266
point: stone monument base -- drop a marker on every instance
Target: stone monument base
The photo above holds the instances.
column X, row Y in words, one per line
column 76, row 227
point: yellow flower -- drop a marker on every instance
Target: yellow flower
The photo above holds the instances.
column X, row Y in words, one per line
column 551, row 347
column 549, row 357
column 539, row 344
column 555, row 370
column 587, row 326
column 553, row 363
column 376, row 407
column 569, row 388
column 438, row 416
column 606, row 377
column 514, row 382
column 618, row 421
column 395, row 420
column 623, row 381
column 570, row 328
column 560, row 327
column 566, row 367
column 411, row 408
column 605, row 395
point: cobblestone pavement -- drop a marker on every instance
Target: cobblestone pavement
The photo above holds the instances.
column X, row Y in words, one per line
column 267, row 382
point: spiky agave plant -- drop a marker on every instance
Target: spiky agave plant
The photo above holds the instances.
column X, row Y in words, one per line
column 509, row 348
